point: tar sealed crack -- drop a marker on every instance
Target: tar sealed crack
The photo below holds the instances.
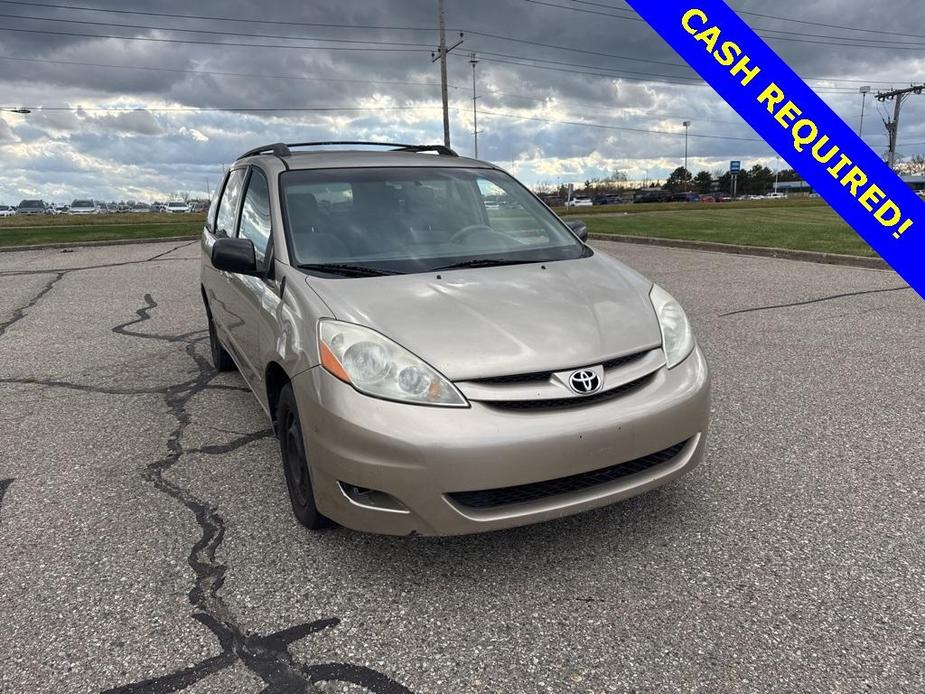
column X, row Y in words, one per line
column 268, row 657
column 20, row 312
column 813, row 301
column 59, row 273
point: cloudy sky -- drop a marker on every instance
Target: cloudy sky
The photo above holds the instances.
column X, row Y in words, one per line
column 141, row 100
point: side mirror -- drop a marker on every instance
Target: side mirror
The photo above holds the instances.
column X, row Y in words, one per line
column 579, row 228
column 235, row 255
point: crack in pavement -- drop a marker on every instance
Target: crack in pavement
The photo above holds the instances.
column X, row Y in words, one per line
column 20, row 312
column 144, row 313
column 813, row 301
column 4, row 485
column 266, row 656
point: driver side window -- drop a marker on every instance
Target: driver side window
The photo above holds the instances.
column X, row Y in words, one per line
column 255, row 215
column 228, row 207
column 506, row 214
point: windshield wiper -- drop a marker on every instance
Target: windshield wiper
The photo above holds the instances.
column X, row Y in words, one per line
column 485, row 262
column 346, row 269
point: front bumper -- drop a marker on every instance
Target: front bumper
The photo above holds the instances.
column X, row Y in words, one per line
column 419, row 455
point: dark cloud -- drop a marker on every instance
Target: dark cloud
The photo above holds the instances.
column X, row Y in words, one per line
column 146, row 151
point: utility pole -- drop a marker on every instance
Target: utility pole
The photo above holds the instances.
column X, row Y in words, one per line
column 864, row 92
column 441, row 55
column 473, row 61
column 687, row 127
column 892, row 127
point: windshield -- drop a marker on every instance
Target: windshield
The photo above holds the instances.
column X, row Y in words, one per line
column 418, row 219
column 82, row 203
column 32, row 203
column 176, row 204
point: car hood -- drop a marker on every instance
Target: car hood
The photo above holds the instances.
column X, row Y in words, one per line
column 479, row 323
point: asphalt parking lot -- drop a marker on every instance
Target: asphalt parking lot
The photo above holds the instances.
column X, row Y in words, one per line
column 146, row 544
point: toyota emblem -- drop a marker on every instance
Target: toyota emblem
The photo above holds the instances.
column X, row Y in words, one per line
column 585, row 382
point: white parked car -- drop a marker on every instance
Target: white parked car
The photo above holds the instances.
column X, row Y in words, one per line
column 580, row 202
column 84, row 207
column 775, row 196
column 7, row 211
column 177, row 206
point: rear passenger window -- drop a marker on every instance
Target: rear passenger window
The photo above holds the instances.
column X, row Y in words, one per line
column 224, row 224
column 255, row 214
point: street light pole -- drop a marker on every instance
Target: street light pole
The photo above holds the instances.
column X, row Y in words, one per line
column 473, row 61
column 864, row 92
column 687, row 125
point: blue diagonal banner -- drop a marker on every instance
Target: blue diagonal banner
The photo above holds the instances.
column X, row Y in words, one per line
column 798, row 124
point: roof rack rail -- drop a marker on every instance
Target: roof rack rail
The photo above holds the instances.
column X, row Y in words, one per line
column 281, row 149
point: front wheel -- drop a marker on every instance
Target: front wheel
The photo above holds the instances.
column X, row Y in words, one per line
column 295, row 462
column 221, row 360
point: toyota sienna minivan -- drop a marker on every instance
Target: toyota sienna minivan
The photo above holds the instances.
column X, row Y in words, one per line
column 434, row 364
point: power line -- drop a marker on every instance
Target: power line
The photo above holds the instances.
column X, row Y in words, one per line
column 831, row 26
column 248, row 20
column 214, row 32
column 331, row 25
column 694, row 79
column 783, row 19
column 573, row 50
column 611, row 73
column 223, row 109
column 226, row 74
column 763, row 32
column 602, row 126
column 211, row 43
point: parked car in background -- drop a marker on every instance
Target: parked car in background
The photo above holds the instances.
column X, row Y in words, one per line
column 32, row 207
column 158, row 207
column 435, row 366
column 177, row 207
column 7, row 210
column 579, row 202
column 140, row 207
column 608, row 200
column 775, row 196
column 708, row 198
column 84, row 207
column 685, row 197
column 199, row 206
column 647, row 195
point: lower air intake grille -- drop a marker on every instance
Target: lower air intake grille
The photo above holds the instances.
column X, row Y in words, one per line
column 505, row 496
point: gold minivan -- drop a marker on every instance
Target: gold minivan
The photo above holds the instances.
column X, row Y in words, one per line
column 438, row 352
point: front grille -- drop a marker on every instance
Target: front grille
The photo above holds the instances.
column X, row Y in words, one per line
column 546, row 375
column 570, row 403
column 505, row 496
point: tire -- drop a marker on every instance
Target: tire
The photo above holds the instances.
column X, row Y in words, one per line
column 221, row 360
column 295, row 462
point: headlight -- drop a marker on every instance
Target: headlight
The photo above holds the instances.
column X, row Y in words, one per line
column 677, row 338
column 376, row 366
